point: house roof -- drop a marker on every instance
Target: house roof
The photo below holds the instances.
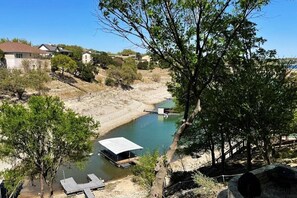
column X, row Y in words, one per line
column 51, row 48
column 54, row 48
column 119, row 145
column 10, row 47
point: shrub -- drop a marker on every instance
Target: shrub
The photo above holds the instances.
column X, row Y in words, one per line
column 124, row 75
column 145, row 171
column 110, row 82
column 156, row 77
column 143, row 65
column 87, row 72
column 26, row 64
column 208, row 186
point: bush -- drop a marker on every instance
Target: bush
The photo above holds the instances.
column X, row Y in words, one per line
column 143, row 65
column 145, row 171
column 124, row 75
column 110, row 82
column 208, row 186
column 86, row 72
column 156, row 77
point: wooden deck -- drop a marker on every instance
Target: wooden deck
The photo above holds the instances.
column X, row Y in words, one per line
column 129, row 160
column 120, row 162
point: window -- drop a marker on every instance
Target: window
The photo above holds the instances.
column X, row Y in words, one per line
column 19, row 55
column 86, row 57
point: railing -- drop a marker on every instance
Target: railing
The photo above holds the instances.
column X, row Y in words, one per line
column 235, row 148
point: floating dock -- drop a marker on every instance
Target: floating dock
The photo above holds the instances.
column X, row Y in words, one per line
column 119, row 151
column 71, row 187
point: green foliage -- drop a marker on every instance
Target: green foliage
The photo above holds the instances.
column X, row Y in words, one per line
column 16, row 40
column 36, row 80
column 26, row 65
column 143, row 65
column 76, row 51
column 102, row 59
column 15, row 81
column 2, row 59
column 1, row 55
column 208, row 187
column 13, row 178
column 44, row 135
column 117, row 61
column 64, row 63
column 127, row 52
column 138, row 56
column 124, row 75
column 87, row 72
column 287, row 153
column 110, row 82
column 145, row 171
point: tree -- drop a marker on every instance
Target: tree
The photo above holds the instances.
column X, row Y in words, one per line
column 256, row 111
column 87, row 72
column 144, row 171
column 143, row 65
column 102, row 59
column 16, row 82
column 64, row 63
column 37, row 79
column 76, row 51
column 16, row 40
column 193, row 37
column 127, row 52
column 2, row 59
column 44, row 135
column 124, row 75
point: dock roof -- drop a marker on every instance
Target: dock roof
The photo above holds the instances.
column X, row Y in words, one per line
column 119, row 145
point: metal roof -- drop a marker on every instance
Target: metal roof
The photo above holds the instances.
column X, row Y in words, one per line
column 119, row 145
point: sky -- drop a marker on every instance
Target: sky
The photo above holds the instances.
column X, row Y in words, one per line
column 74, row 22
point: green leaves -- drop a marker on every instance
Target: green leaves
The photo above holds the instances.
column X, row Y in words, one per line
column 145, row 170
column 64, row 63
column 43, row 135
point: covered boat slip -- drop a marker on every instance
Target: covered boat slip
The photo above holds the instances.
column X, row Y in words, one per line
column 71, row 187
column 119, row 151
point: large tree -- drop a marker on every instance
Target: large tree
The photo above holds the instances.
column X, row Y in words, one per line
column 64, row 63
column 193, row 37
column 44, row 135
column 76, row 51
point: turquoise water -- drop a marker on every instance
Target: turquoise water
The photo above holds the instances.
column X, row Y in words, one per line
column 150, row 131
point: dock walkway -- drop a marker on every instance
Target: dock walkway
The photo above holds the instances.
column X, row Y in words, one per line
column 71, row 187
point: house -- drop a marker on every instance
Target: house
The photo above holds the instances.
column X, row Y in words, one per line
column 146, row 58
column 87, row 57
column 15, row 53
column 51, row 50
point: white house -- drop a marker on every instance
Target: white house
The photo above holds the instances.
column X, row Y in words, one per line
column 87, row 57
column 146, row 58
column 51, row 49
column 16, row 52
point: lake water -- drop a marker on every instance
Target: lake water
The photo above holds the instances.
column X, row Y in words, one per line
column 150, row 131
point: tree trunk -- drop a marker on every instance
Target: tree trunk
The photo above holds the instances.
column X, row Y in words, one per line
column 41, row 185
column 248, row 155
column 267, row 150
column 51, row 189
column 223, row 151
column 212, row 150
column 230, row 147
column 187, row 106
column 280, row 141
column 157, row 188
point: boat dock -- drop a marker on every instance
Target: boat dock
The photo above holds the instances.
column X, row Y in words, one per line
column 71, row 187
column 119, row 151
